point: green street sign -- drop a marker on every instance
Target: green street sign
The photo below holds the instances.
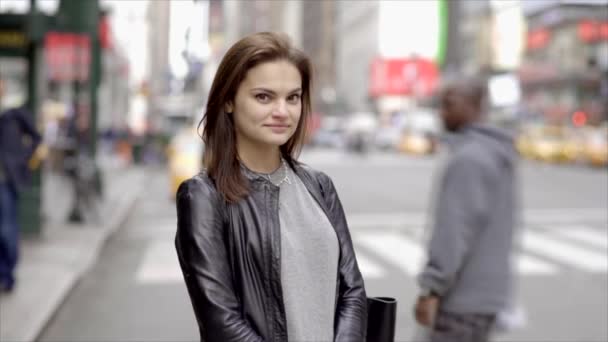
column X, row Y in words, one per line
column 14, row 39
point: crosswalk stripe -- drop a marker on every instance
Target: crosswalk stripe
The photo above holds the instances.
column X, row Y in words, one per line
column 584, row 234
column 408, row 255
column 159, row 264
column 377, row 251
column 394, row 248
column 369, row 269
column 529, row 265
column 400, row 220
column 564, row 252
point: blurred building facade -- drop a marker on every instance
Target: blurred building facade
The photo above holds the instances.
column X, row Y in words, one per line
column 554, row 54
column 158, row 36
column 318, row 41
column 231, row 20
column 357, row 30
column 246, row 17
column 488, row 37
column 469, row 36
column 114, row 91
column 566, row 61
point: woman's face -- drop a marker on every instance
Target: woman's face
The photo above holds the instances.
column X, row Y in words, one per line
column 268, row 105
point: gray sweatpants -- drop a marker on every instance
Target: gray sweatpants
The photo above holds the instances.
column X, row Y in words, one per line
column 457, row 327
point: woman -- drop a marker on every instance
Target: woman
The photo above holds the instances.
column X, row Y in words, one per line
column 262, row 240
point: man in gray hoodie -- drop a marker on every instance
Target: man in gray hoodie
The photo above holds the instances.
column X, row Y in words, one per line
column 467, row 279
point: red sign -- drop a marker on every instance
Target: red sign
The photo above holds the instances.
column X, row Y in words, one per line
column 105, row 33
column 587, row 31
column 538, row 39
column 67, row 56
column 591, row 31
column 604, row 31
column 579, row 118
column 413, row 77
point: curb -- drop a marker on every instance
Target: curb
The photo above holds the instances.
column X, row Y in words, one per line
column 30, row 325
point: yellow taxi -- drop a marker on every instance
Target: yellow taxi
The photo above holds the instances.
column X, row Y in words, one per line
column 596, row 146
column 185, row 153
column 420, row 131
column 524, row 142
column 417, row 143
column 550, row 143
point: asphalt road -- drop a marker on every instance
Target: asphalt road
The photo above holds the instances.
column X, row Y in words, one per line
column 136, row 293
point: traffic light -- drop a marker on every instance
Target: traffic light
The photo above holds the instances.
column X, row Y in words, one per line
column 579, row 118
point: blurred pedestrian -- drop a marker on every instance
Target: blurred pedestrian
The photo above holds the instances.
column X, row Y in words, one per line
column 18, row 142
column 262, row 239
column 467, row 279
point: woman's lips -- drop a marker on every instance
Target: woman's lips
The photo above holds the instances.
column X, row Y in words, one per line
column 278, row 128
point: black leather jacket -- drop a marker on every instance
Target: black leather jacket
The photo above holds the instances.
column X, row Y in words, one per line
column 230, row 258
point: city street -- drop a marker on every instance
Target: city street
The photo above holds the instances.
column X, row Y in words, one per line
column 102, row 103
column 136, row 292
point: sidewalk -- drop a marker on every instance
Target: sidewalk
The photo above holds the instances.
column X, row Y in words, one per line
column 51, row 265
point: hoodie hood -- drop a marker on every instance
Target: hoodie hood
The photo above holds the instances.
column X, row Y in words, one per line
column 497, row 139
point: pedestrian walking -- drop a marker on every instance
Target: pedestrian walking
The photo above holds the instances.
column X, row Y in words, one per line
column 467, row 279
column 18, row 142
column 262, row 239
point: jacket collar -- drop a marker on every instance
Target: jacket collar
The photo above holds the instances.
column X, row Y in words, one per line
column 303, row 172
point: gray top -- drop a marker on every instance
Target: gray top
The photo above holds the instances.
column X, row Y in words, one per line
column 475, row 218
column 309, row 261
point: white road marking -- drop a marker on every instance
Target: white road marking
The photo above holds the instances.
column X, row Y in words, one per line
column 408, row 255
column 159, row 264
column 564, row 252
column 378, row 250
column 369, row 269
column 529, row 265
column 532, row 216
column 395, row 248
column 586, row 235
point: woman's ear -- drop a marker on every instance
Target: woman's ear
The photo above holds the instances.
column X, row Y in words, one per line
column 228, row 107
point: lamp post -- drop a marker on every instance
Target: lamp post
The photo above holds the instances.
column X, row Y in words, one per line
column 82, row 18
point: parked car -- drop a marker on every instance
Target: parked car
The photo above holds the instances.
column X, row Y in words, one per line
column 525, row 140
column 387, row 138
column 360, row 129
column 184, row 154
column 420, row 133
column 417, row 143
column 550, row 143
column 330, row 133
column 596, row 146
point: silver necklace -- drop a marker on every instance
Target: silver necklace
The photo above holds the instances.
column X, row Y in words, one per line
column 285, row 178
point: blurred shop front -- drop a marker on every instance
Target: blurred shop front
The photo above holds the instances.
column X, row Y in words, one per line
column 401, row 84
column 564, row 77
column 58, row 61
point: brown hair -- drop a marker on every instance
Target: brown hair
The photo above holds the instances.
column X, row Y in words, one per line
column 221, row 157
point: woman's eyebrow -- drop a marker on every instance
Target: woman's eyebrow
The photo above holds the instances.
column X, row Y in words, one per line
column 273, row 92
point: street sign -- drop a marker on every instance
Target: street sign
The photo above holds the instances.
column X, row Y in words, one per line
column 13, row 36
column 68, row 56
column 19, row 31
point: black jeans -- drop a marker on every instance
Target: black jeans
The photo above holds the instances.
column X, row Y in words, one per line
column 459, row 327
column 9, row 234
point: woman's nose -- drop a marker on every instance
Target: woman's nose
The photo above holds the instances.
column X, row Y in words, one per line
column 280, row 108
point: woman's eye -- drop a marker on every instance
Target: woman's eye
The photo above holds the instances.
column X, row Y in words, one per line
column 262, row 97
column 294, row 98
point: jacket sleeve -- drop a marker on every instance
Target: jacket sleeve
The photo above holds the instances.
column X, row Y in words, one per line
column 460, row 213
column 203, row 258
column 351, row 311
column 28, row 127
